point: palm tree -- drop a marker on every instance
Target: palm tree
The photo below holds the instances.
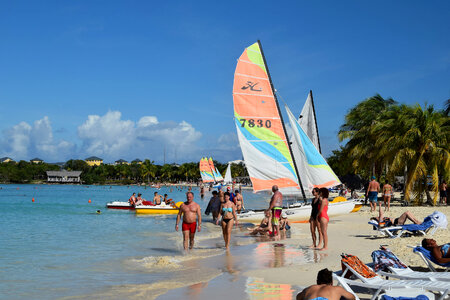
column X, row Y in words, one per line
column 357, row 129
column 416, row 139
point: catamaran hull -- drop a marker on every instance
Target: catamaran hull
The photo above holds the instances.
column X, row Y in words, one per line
column 299, row 214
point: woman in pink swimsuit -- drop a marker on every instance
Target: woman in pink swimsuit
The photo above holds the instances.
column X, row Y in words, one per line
column 322, row 216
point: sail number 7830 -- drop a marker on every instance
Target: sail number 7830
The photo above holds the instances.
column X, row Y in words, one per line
column 258, row 123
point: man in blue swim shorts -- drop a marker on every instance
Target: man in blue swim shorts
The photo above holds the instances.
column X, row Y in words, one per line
column 372, row 193
column 324, row 289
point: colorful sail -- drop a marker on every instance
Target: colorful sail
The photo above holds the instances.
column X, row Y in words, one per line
column 216, row 174
column 205, row 170
column 312, row 167
column 261, row 133
column 308, row 122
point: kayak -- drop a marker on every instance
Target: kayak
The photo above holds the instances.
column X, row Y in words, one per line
column 299, row 212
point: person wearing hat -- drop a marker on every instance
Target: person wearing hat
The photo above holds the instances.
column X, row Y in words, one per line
column 285, row 224
column 372, row 194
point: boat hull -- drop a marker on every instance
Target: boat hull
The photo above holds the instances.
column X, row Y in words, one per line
column 119, row 205
column 156, row 210
column 300, row 214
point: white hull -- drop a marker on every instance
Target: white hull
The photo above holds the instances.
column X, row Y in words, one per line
column 299, row 214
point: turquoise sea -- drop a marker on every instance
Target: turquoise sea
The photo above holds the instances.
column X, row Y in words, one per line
column 59, row 247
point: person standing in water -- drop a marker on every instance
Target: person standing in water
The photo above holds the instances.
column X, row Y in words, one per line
column 276, row 206
column 202, row 192
column 190, row 212
column 228, row 213
column 372, row 193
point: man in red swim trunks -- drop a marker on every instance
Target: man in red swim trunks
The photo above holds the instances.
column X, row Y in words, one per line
column 190, row 211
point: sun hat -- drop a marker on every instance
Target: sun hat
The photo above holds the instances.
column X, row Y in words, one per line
column 283, row 215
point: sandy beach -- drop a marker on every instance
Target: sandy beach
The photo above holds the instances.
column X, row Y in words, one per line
column 282, row 273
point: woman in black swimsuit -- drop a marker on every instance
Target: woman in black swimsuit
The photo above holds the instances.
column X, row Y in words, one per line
column 313, row 223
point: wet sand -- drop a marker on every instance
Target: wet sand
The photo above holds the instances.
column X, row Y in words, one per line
column 281, row 269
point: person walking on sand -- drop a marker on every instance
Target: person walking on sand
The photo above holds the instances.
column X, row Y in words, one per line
column 313, row 222
column 239, row 201
column 322, row 217
column 190, row 212
column 324, row 289
column 443, row 193
column 372, row 193
column 276, row 206
column 228, row 213
column 387, row 194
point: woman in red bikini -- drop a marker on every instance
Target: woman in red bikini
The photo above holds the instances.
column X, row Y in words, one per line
column 322, row 217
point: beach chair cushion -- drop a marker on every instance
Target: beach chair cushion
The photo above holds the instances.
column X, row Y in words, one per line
column 383, row 259
column 419, row 297
column 426, row 224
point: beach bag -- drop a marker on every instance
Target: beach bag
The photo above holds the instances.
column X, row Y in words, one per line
column 356, row 264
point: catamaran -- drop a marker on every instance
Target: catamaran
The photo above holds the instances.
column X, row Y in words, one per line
column 269, row 156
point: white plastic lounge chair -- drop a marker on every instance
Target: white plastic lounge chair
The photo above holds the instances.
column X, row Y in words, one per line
column 405, row 230
column 342, row 283
column 408, row 273
column 410, row 293
column 379, row 284
column 429, row 259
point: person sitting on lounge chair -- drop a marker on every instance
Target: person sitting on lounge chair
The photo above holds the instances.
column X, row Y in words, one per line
column 324, row 288
column 440, row 253
column 397, row 221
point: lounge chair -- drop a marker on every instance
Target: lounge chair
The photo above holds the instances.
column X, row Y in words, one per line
column 385, row 259
column 429, row 259
column 427, row 227
column 367, row 278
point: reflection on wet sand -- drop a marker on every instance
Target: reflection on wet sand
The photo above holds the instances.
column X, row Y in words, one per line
column 258, row 289
column 193, row 291
column 277, row 255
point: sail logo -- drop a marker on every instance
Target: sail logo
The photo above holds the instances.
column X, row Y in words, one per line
column 251, row 85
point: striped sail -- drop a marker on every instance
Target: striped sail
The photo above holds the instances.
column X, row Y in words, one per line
column 261, row 133
column 218, row 176
column 314, row 170
column 205, row 170
column 307, row 121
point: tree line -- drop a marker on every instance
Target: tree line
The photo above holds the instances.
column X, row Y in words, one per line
column 148, row 171
column 387, row 139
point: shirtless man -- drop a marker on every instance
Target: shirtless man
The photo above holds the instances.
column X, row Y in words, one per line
column 276, row 204
column 202, row 192
column 324, row 289
column 157, row 199
column 443, row 193
column 372, row 193
column 190, row 211
column 239, row 201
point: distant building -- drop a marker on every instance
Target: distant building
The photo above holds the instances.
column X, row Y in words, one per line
column 121, row 162
column 137, row 161
column 6, row 160
column 36, row 161
column 94, row 161
column 63, row 176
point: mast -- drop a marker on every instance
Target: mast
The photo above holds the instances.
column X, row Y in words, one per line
column 315, row 121
column 281, row 117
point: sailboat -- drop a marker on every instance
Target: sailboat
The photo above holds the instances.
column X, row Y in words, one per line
column 269, row 156
column 205, row 171
column 228, row 179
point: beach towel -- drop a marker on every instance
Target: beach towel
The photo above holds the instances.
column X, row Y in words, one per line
column 439, row 219
column 420, row 297
column 383, row 259
column 430, row 257
column 356, row 264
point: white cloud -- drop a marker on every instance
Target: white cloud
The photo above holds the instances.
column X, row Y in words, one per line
column 23, row 141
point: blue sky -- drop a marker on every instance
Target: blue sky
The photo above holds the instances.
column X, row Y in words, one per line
column 128, row 79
